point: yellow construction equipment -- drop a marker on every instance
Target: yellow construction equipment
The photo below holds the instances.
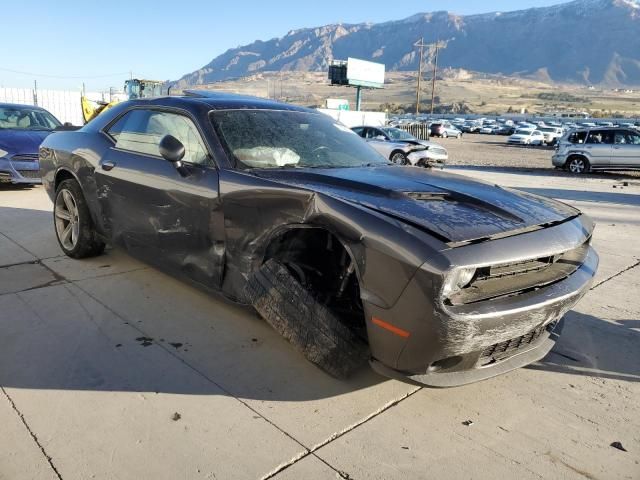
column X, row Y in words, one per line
column 134, row 88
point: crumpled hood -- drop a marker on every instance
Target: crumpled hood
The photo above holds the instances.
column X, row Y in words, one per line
column 451, row 207
column 22, row 141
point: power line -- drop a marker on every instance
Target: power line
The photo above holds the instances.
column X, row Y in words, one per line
column 63, row 77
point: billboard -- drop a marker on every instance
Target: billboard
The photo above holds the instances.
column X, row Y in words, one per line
column 365, row 74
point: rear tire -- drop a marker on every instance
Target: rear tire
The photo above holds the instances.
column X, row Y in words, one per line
column 578, row 165
column 444, row 135
column 311, row 327
column 73, row 224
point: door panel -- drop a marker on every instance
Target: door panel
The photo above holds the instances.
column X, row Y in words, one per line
column 599, row 145
column 167, row 216
column 626, row 149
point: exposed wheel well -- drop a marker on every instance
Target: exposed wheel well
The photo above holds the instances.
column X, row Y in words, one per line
column 61, row 176
column 322, row 264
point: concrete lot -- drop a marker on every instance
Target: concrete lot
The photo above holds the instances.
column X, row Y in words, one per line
column 111, row 369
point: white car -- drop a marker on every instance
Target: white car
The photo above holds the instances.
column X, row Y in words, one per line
column 526, row 137
column 401, row 147
column 551, row 134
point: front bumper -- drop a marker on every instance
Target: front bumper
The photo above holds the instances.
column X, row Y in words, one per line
column 447, row 346
column 19, row 172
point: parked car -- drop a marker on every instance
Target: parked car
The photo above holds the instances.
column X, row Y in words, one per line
column 434, row 277
column 401, row 147
column 551, row 134
column 22, row 129
column 471, row 127
column 444, row 130
column 526, row 137
column 506, row 130
column 581, row 151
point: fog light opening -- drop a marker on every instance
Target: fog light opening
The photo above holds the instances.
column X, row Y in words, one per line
column 444, row 364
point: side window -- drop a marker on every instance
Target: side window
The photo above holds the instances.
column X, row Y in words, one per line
column 633, row 138
column 359, row 131
column 600, row 136
column 371, row 133
column 141, row 131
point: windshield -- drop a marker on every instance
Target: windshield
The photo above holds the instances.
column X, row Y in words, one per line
column 278, row 139
column 25, row 118
column 398, row 134
column 523, row 132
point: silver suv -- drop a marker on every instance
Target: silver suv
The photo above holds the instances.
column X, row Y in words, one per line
column 603, row 148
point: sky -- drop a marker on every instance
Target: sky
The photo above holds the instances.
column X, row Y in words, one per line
column 66, row 43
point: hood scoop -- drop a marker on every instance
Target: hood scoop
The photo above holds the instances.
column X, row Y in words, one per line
column 429, row 196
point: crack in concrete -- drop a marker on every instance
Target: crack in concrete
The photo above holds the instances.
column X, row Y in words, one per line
column 33, row 435
column 339, row 434
column 307, row 451
column 624, row 270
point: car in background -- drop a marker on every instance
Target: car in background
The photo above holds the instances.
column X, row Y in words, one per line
column 432, row 277
column 526, row 137
column 551, row 134
column 22, row 130
column 401, row 147
column 444, row 130
column 584, row 150
column 505, row 129
column 471, row 127
column 488, row 129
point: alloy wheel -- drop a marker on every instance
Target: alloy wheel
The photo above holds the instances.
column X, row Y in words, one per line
column 577, row 165
column 67, row 219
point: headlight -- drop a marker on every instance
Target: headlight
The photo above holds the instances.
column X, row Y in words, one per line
column 457, row 280
column 3, row 153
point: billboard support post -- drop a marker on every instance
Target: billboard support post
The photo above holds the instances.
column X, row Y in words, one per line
column 358, row 98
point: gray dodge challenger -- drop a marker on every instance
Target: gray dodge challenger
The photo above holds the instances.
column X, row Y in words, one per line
column 431, row 277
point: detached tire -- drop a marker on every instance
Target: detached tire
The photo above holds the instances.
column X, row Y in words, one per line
column 73, row 224
column 311, row 327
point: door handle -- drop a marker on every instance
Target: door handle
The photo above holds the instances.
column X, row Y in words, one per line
column 108, row 166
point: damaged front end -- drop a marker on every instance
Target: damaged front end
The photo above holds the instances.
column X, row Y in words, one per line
column 500, row 306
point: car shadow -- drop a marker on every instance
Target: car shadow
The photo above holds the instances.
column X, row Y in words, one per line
column 590, row 346
column 111, row 323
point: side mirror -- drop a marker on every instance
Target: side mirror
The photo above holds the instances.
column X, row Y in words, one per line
column 67, row 124
column 380, row 137
column 172, row 150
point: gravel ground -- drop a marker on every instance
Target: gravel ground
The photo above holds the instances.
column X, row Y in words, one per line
column 494, row 151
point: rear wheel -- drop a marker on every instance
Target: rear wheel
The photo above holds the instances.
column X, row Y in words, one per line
column 444, row 134
column 73, row 224
column 578, row 165
column 277, row 292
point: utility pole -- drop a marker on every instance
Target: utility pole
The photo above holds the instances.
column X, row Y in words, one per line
column 435, row 74
column 421, row 45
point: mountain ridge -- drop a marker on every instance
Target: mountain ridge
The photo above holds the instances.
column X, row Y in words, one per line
column 583, row 41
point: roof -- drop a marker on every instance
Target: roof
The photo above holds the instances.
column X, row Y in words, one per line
column 217, row 100
column 19, row 105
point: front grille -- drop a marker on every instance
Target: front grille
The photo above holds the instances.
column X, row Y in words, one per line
column 519, row 277
column 25, row 157
column 29, row 173
column 503, row 350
